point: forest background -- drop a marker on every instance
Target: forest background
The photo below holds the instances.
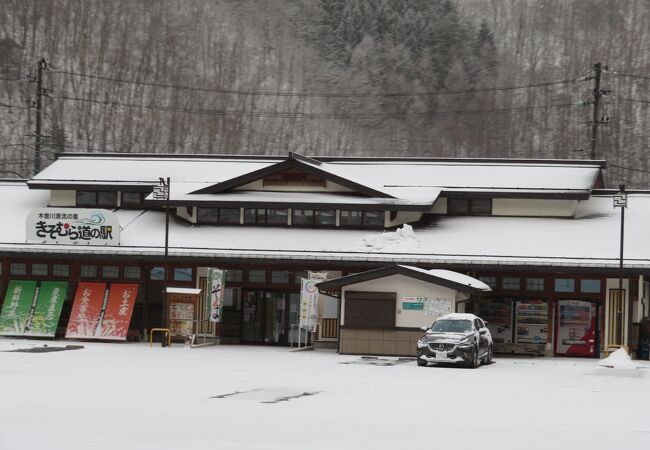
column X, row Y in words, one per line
column 429, row 78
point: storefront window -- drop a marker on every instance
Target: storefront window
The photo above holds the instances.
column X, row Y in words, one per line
column 326, row 218
column 88, row 271
column 110, row 272
column 39, row 270
column 511, row 283
column 490, row 281
column 157, row 273
column 351, row 218
column 565, row 285
column 183, row 274
column 257, row 276
column 279, row 276
column 132, row 272
column 234, row 275
column 61, row 270
column 17, row 269
column 590, row 286
column 535, row 284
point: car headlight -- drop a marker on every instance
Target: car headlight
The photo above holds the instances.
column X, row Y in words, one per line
column 421, row 343
column 464, row 343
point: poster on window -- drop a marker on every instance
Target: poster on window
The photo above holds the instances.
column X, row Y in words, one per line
column 216, row 283
column 309, row 300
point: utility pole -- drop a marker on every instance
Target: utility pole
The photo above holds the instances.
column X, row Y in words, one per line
column 40, row 92
column 597, row 119
column 620, row 201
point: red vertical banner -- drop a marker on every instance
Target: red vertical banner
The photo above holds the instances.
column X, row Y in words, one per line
column 117, row 316
column 86, row 310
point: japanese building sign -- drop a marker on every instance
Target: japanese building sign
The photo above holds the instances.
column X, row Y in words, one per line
column 434, row 307
column 73, row 226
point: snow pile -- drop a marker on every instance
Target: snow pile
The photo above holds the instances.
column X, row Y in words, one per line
column 621, row 363
column 401, row 240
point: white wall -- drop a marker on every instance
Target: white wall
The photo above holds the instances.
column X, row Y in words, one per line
column 533, row 207
column 181, row 212
column 63, row 198
column 404, row 287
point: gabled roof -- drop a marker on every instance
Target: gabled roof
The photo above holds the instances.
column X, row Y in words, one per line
column 440, row 277
column 293, row 161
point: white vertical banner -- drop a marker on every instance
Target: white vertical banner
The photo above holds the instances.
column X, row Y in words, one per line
column 216, row 281
column 309, row 300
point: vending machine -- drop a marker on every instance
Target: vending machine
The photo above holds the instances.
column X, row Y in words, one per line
column 576, row 328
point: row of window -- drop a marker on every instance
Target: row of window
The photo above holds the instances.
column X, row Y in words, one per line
column 93, row 271
column 469, row 206
column 299, row 217
column 108, row 199
column 538, row 284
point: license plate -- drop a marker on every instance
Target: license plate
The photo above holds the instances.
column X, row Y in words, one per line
column 441, row 355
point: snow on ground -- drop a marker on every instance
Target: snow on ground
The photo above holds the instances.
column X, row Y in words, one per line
column 131, row 396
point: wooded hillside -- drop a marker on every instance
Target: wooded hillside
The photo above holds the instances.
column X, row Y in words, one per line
column 481, row 78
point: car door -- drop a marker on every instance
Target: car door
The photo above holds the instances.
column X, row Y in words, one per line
column 483, row 341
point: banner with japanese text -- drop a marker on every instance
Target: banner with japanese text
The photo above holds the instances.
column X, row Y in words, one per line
column 216, row 284
column 86, row 310
column 309, row 300
column 114, row 323
column 17, row 307
column 73, row 226
column 45, row 318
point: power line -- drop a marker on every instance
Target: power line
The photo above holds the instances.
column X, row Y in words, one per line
column 630, row 75
column 628, row 168
column 7, row 105
column 634, row 100
column 319, row 94
column 294, row 115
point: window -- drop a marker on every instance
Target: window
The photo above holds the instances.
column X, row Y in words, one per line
column 229, row 216
column 279, row 276
column 351, row 218
column 88, row 271
column 565, row 285
column 18, row 269
column 60, row 270
column 302, row 217
column 110, row 272
column 208, row 215
column 132, row 272
column 107, row 199
column 91, row 198
column 325, row 218
column 85, row 198
column 469, row 206
column 299, row 275
column 157, row 274
column 370, row 309
column 132, row 200
column 254, row 216
column 535, row 284
column 590, row 286
column 373, row 218
column 39, row 270
column 511, row 283
column 183, row 274
column 235, row 276
column 257, row 276
column 277, row 216
column 490, row 281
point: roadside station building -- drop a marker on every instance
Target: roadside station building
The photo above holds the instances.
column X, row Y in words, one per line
column 542, row 234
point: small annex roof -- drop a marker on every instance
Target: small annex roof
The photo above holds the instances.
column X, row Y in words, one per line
column 446, row 278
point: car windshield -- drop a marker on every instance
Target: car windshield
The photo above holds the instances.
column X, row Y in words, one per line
column 452, row 326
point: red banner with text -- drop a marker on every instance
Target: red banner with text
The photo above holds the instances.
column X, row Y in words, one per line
column 86, row 310
column 117, row 316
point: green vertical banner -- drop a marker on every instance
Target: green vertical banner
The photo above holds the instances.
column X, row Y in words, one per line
column 48, row 309
column 17, row 307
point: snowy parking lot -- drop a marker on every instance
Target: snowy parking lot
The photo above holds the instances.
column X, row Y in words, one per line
column 131, row 396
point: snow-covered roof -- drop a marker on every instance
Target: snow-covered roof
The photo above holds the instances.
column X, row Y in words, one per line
column 453, row 276
column 590, row 239
column 413, row 180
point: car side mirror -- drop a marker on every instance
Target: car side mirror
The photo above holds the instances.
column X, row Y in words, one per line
column 482, row 331
column 425, row 329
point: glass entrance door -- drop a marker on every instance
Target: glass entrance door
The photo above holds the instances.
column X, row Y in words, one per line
column 264, row 317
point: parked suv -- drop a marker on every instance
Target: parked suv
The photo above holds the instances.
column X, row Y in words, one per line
column 457, row 339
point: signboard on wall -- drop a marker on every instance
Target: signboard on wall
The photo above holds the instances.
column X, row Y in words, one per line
column 309, row 300
column 216, row 284
column 32, row 308
column 76, row 226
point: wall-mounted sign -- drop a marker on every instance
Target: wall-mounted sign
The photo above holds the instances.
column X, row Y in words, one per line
column 434, row 307
column 73, row 226
column 412, row 302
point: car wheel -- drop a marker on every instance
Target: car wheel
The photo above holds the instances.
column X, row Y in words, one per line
column 488, row 359
column 475, row 361
column 421, row 362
